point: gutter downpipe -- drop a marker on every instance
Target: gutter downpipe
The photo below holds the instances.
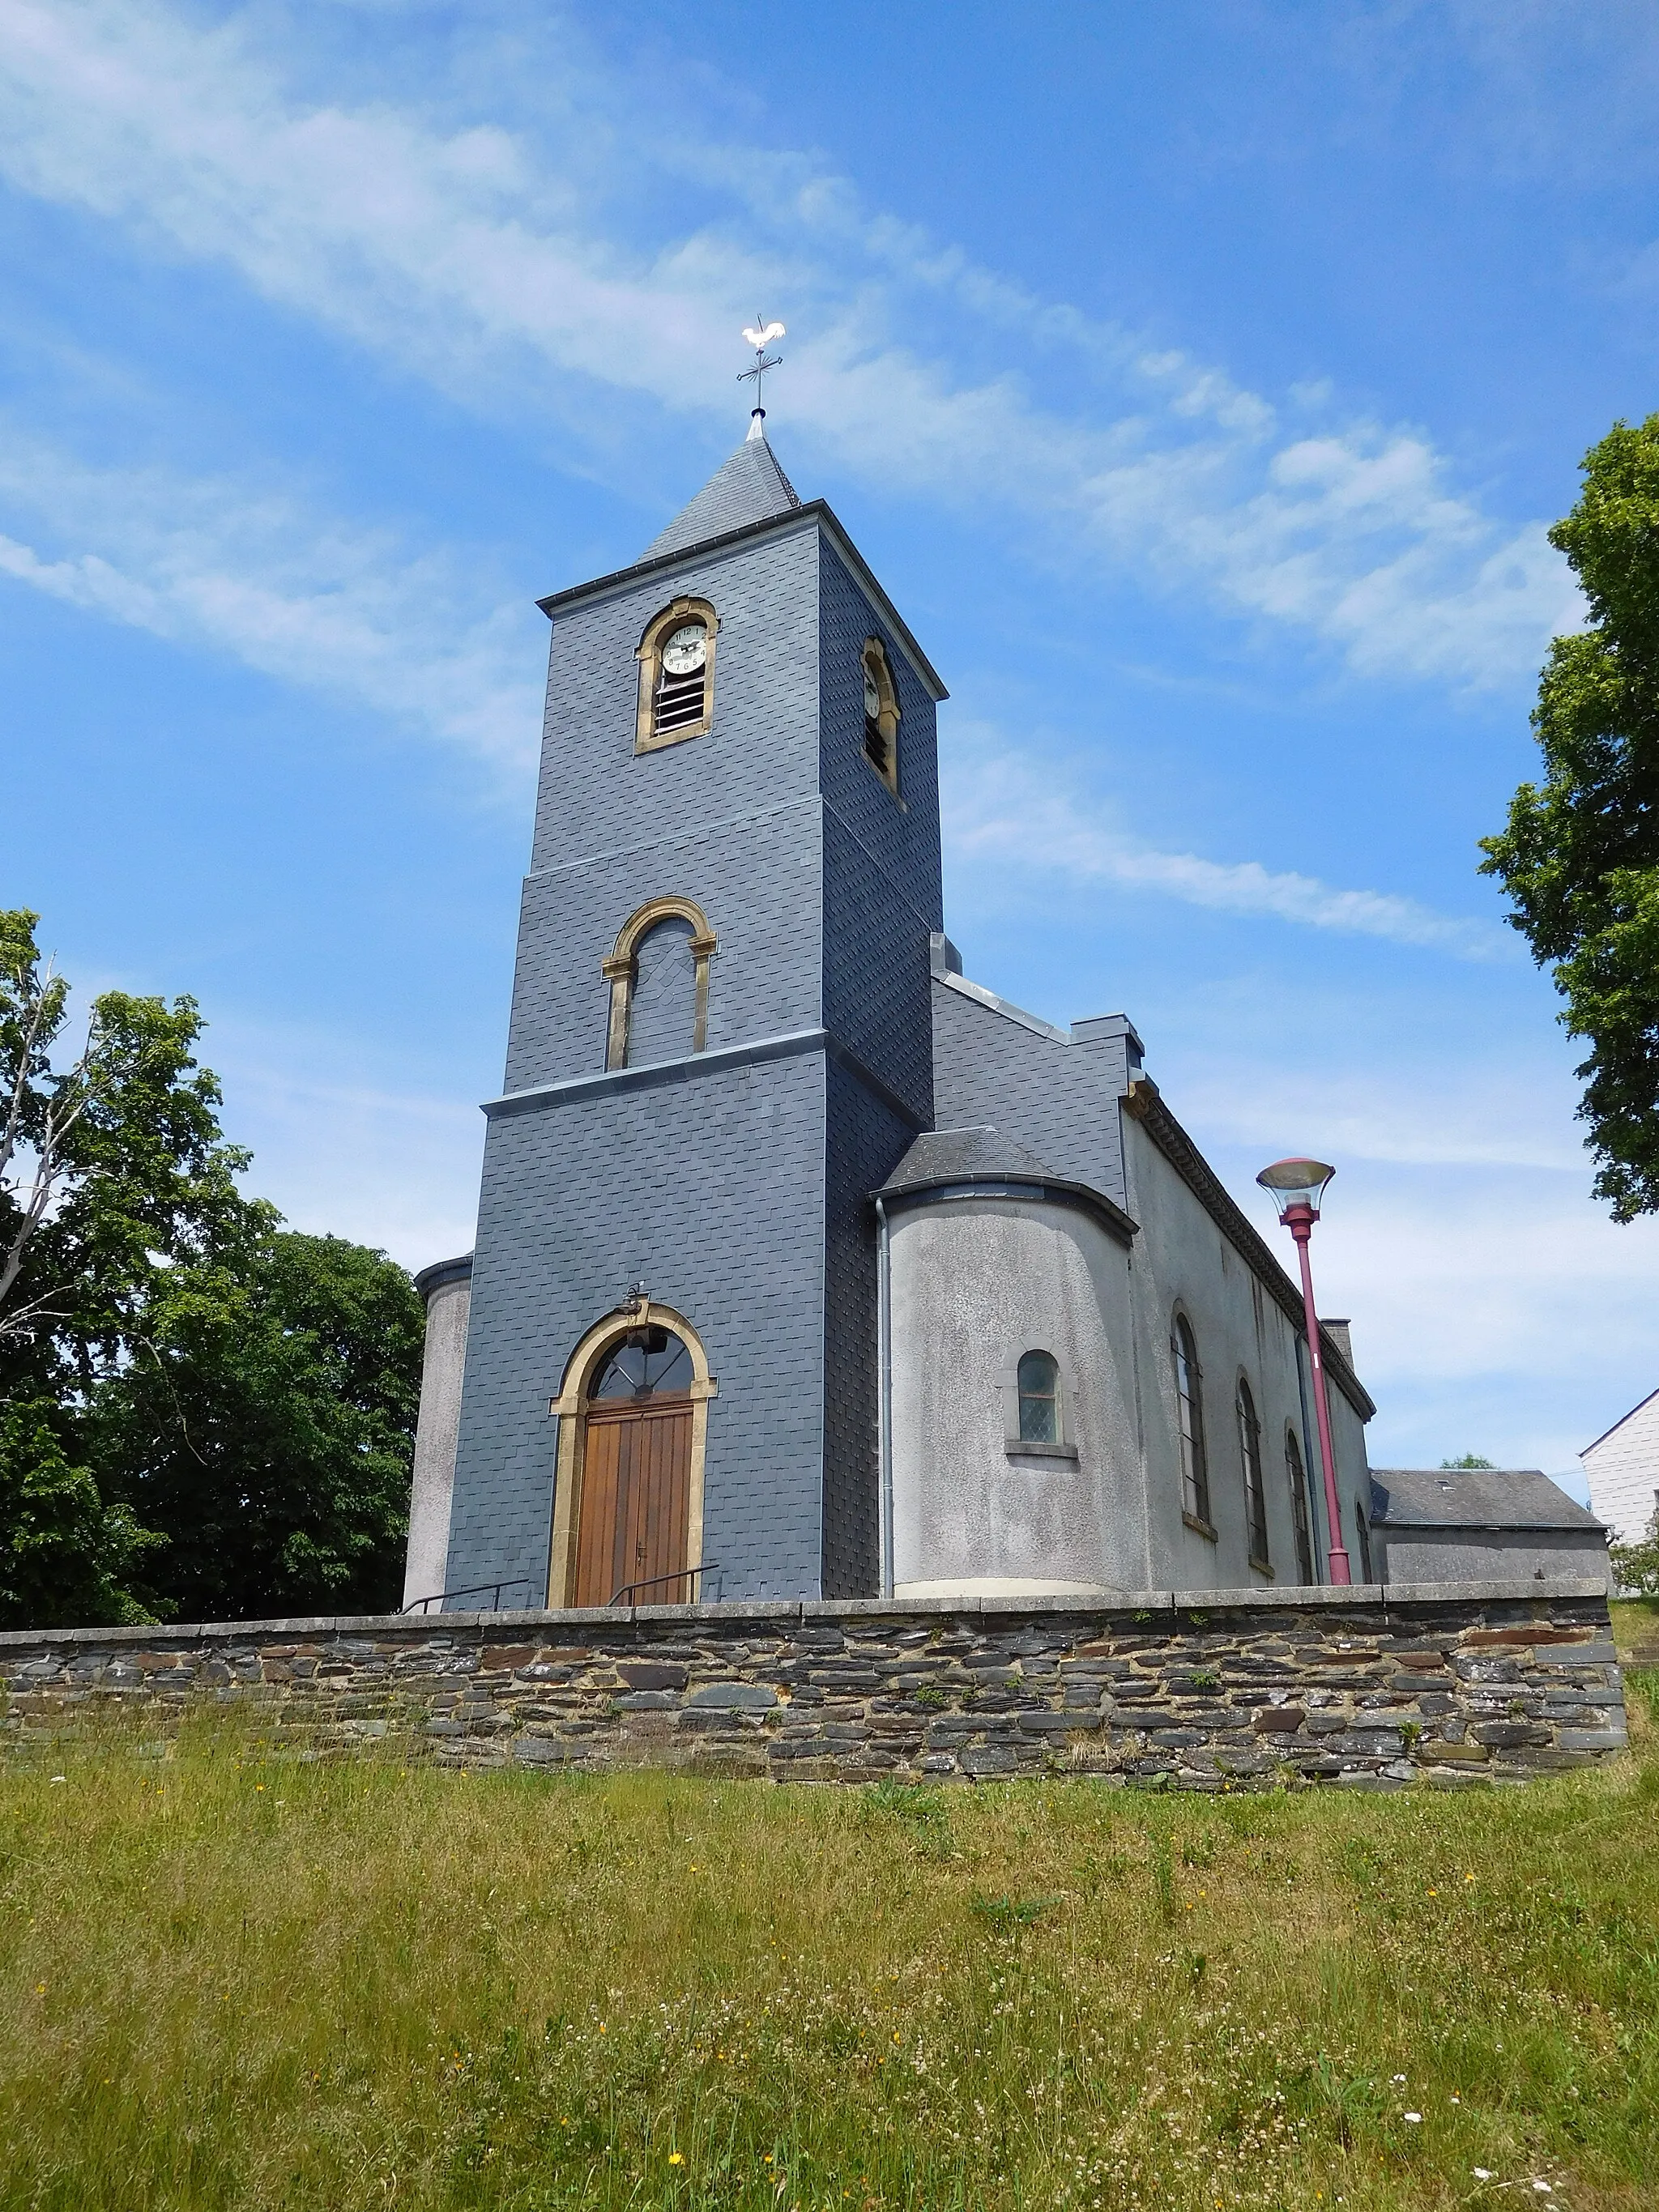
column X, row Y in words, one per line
column 884, row 1391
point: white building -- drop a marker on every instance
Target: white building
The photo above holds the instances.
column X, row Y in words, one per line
column 1623, row 1467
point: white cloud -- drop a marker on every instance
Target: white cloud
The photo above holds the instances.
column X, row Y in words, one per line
column 367, row 1153
column 250, row 571
column 480, row 255
column 1002, row 807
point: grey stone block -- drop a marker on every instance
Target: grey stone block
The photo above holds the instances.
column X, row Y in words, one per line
column 731, row 1697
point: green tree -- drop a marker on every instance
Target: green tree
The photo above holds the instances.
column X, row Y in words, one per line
column 66, row 1558
column 199, row 1412
column 266, row 1429
column 1468, row 1461
column 1580, row 856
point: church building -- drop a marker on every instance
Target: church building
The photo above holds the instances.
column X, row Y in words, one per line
column 806, row 1267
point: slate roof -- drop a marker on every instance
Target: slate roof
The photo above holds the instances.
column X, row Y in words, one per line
column 982, row 1155
column 944, row 1157
column 1472, row 1497
column 749, row 488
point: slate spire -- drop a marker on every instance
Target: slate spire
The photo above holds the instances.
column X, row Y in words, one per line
column 749, row 488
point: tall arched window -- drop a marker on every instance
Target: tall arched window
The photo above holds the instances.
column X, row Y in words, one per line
column 677, row 675
column 1365, row 1567
column 658, row 979
column 881, row 713
column 1038, row 1375
column 1256, row 1496
column 1296, row 1477
column 1189, row 1409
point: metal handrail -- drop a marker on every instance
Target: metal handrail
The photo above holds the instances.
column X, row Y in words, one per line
column 472, row 1589
column 680, row 1575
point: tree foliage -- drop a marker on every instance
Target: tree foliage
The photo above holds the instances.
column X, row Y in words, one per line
column 266, row 1429
column 200, row 1412
column 1580, row 855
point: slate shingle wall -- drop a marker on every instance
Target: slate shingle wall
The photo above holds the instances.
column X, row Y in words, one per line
column 738, row 1195
column 708, row 1185
column 1061, row 1099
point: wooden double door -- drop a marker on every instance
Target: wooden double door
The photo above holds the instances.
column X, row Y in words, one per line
column 635, row 1520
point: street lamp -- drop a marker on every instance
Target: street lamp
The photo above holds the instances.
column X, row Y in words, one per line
column 1297, row 1186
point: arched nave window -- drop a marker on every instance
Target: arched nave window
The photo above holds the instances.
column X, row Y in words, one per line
column 1296, row 1477
column 1256, row 1496
column 1189, row 1413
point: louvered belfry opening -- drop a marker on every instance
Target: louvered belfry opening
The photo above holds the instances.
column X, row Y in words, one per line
column 682, row 698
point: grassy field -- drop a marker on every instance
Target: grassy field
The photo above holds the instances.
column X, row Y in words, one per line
column 230, row 1982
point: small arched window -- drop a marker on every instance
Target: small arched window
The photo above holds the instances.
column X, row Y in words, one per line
column 1295, row 1476
column 1189, row 1410
column 881, row 713
column 1038, row 1376
column 1256, row 1496
column 677, row 675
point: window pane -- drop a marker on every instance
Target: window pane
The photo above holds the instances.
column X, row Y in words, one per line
column 1195, row 1473
column 647, row 1364
column 1038, row 1377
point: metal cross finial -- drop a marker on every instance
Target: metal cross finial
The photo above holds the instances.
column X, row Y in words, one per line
column 759, row 337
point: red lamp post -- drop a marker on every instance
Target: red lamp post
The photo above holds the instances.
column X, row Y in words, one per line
column 1297, row 1186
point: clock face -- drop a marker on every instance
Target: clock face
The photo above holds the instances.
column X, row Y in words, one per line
column 686, row 651
column 872, row 696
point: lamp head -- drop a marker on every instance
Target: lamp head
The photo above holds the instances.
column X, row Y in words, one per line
column 1297, row 1183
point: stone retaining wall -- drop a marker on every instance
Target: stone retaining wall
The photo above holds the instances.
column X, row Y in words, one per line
column 1372, row 1688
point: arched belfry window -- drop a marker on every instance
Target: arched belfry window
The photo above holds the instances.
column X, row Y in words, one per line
column 1255, row 1495
column 881, row 713
column 658, row 979
column 1189, row 1417
column 677, row 675
column 1038, row 1380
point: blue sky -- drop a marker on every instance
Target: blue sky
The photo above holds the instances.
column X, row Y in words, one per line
column 1200, row 380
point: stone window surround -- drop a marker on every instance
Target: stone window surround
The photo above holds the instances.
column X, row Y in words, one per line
column 648, row 653
column 622, row 970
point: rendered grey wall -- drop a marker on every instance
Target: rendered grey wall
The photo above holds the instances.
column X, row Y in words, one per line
column 1453, row 1555
column 1181, row 1255
column 976, row 1282
column 437, row 1429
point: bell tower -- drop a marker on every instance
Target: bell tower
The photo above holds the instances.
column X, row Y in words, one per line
column 720, row 1046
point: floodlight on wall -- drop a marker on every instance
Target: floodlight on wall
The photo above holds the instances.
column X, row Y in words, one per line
column 1298, row 1186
